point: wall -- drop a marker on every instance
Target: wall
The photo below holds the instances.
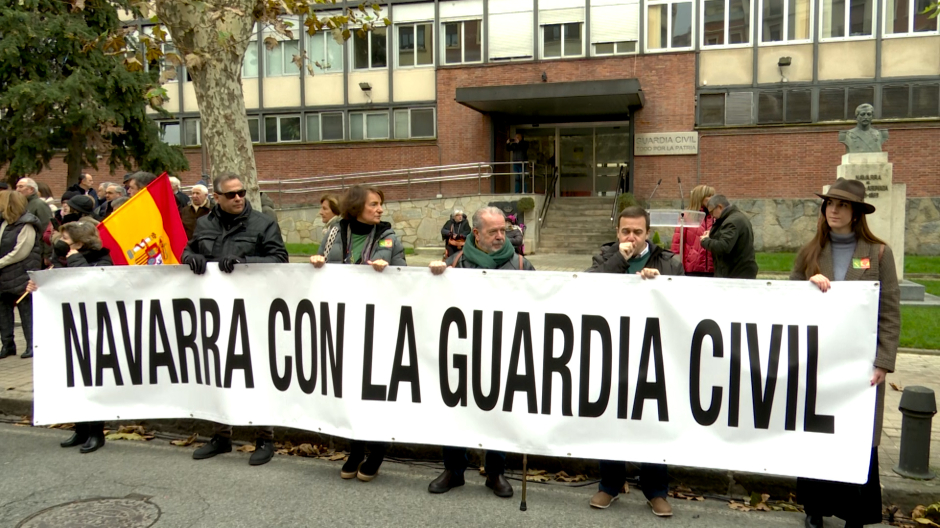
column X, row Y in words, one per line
column 417, row 222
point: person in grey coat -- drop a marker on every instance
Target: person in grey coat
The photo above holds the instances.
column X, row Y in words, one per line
column 361, row 237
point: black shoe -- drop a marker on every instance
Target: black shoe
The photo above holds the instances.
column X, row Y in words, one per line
column 351, row 467
column 813, row 521
column 264, row 452
column 369, row 469
column 28, row 354
column 77, row 438
column 7, row 352
column 447, row 481
column 216, row 446
column 93, row 443
column 499, row 485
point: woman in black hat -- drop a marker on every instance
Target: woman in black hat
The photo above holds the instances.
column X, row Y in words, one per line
column 844, row 248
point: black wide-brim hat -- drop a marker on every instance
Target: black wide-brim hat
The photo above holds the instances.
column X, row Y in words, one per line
column 849, row 191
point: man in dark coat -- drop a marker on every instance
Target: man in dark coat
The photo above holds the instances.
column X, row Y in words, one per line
column 519, row 152
column 731, row 240
column 232, row 233
column 199, row 206
column 455, row 232
column 486, row 248
column 633, row 253
column 86, row 186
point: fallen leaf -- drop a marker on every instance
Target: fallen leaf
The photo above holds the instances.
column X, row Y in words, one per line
column 124, row 436
column 739, row 506
column 919, row 512
column 184, row 442
column 338, row 456
column 926, row 521
column 247, row 448
column 136, row 429
column 896, row 387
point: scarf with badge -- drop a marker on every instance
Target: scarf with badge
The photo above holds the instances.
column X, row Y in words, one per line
column 484, row 260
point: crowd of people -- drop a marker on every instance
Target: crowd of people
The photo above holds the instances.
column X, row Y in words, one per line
column 227, row 231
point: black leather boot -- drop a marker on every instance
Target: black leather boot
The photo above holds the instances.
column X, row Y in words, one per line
column 78, row 437
column 217, row 445
column 95, row 438
column 499, row 485
column 447, row 481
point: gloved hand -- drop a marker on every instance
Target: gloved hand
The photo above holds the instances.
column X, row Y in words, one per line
column 196, row 262
column 227, row 264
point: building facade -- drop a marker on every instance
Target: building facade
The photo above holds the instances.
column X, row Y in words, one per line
column 765, row 85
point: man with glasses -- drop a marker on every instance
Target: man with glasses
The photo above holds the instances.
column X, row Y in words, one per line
column 233, row 233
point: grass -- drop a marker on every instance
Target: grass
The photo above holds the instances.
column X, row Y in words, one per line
column 311, row 249
column 919, row 328
column 932, row 286
column 783, row 263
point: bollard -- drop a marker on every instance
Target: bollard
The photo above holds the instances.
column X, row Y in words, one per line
column 918, row 405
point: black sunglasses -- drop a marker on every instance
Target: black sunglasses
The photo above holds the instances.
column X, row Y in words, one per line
column 231, row 195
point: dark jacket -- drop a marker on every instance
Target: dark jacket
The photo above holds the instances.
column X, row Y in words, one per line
column 251, row 235
column 511, row 264
column 881, row 269
column 91, row 193
column 190, row 216
column 459, row 229
column 13, row 277
column 515, row 237
column 181, row 199
column 385, row 246
column 610, row 260
column 694, row 257
column 519, row 151
column 731, row 241
column 103, row 211
column 90, row 257
column 37, row 207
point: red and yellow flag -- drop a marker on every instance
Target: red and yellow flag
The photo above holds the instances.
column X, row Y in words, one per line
column 147, row 229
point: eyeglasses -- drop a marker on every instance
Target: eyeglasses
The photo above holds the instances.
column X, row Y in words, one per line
column 231, row 195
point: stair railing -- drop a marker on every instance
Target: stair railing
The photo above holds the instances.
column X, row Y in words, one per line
column 549, row 194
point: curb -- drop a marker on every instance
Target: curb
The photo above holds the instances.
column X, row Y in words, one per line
column 919, row 351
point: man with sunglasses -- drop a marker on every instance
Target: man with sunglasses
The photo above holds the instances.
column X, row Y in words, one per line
column 233, row 233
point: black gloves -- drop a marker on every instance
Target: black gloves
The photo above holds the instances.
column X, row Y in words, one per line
column 196, row 262
column 227, row 264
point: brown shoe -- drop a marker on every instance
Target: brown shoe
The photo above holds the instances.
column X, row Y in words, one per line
column 602, row 500
column 660, row 507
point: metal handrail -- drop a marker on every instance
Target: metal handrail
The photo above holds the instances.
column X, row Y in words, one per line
column 549, row 194
column 483, row 169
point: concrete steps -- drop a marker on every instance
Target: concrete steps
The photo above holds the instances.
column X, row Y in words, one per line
column 577, row 226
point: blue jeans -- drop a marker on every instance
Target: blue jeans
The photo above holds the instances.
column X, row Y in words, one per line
column 653, row 478
column 518, row 170
column 455, row 459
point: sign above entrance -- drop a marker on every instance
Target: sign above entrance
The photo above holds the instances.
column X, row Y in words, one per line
column 666, row 144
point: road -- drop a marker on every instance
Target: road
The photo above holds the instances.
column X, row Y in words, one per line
column 36, row 474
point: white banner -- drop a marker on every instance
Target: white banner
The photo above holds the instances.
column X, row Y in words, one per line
column 759, row 376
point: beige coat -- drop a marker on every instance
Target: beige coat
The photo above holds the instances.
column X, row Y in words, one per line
column 889, row 310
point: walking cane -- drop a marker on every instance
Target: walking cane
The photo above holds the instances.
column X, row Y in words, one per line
column 522, row 507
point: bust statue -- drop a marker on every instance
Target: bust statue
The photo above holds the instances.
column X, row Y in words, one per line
column 863, row 138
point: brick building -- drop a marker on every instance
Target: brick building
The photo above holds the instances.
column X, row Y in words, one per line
column 765, row 85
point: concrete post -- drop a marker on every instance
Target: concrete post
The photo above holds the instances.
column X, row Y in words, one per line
column 918, row 405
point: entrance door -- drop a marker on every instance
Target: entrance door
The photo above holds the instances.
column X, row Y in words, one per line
column 576, row 161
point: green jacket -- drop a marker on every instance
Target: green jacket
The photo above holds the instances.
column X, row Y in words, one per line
column 385, row 245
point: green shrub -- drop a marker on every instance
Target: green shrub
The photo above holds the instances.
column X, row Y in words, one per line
column 657, row 240
column 625, row 200
column 526, row 204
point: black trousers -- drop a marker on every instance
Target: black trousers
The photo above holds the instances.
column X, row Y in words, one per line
column 853, row 503
column 7, row 304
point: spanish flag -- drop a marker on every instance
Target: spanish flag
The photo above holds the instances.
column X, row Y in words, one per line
column 146, row 230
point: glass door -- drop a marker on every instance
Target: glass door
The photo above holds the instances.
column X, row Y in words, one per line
column 611, row 152
column 576, row 161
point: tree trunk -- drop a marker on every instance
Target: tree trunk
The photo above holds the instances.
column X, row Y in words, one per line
column 215, row 64
column 74, row 158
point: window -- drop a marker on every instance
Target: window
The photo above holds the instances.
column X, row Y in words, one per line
column 370, row 49
column 839, row 104
column 669, row 26
column 846, row 18
column 726, row 22
column 785, row 20
column 414, row 123
column 170, row 133
column 895, row 101
column 372, row 125
column 770, row 107
column 325, row 127
column 908, row 16
column 250, row 63
column 904, row 101
column 924, row 100
column 324, row 53
column 711, row 109
column 415, row 44
column 799, row 106
column 279, row 60
column 192, row 131
column 562, row 40
column 463, row 41
column 282, row 129
column 254, row 129
column 615, row 48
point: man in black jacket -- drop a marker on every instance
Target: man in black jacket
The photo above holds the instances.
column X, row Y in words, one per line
column 632, row 253
column 731, row 240
column 233, row 234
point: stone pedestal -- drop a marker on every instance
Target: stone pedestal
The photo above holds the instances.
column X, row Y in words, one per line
column 889, row 199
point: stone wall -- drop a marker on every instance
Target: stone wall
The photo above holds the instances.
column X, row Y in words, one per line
column 785, row 225
column 417, row 222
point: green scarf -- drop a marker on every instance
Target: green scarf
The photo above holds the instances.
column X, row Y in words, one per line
column 487, row 261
